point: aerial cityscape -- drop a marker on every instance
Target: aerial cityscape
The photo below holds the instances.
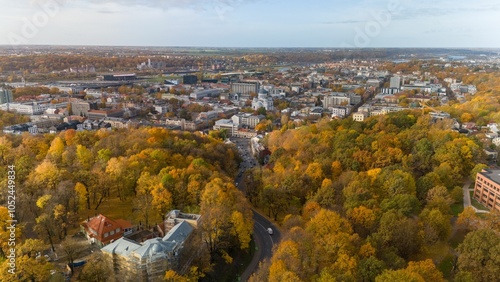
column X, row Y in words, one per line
column 233, row 140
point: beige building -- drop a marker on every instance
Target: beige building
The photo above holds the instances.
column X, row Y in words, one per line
column 359, row 116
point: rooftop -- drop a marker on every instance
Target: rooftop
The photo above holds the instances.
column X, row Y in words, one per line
column 122, row 246
column 493, row 174
column 179, row 233
column 101, row 225
column 154, row 247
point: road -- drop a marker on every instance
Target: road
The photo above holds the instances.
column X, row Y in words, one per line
column 264, row 242
column 267, row 241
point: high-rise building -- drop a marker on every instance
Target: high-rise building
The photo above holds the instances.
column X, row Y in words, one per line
column 395, row 82
column 6, row 96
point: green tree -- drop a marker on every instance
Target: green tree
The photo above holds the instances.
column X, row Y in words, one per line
column 479, row 254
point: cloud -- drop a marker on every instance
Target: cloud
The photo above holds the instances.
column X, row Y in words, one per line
column 428, row 8
column 343, row 22
column 166, row 4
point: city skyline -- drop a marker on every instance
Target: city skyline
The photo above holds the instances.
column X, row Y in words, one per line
column 250, row 23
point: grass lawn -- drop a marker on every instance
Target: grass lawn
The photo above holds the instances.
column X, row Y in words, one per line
column 112, row 208
column 446, row 266
column 475, row 203
column 457, row 208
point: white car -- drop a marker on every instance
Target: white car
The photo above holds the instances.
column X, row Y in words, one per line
column 270, row 231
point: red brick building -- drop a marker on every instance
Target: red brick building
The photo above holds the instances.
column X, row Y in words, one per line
column 487, row 188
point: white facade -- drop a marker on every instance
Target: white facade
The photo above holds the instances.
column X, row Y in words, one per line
column 496, row 141
column 204, row 93
column 226, row 124
column 263, row 101
column 247, row 119
column 340, row 111
column 31, row 108
column 162, row 109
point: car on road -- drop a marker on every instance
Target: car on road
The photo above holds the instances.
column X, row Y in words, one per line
column 270, row 231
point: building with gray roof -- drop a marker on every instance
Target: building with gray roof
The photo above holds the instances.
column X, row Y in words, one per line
column 150, row 260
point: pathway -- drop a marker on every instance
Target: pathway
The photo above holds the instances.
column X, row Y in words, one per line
column 467, row 199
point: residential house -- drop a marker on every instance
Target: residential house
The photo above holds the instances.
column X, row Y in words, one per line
column 102, row 230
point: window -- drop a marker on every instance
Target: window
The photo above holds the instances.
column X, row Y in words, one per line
column 106, row 234
column 117, row 230
column 112, row 233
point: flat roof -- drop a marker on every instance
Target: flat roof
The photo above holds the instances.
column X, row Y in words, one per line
column 493, row 174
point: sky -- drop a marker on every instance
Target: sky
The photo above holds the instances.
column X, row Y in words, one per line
column 252, row 23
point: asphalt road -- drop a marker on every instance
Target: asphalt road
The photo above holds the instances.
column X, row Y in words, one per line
column 264, row 242
column 267, row 241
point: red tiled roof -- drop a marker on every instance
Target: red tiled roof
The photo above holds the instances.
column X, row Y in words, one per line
column 102, row 225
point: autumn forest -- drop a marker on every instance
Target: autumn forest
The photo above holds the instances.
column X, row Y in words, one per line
column 379, row 200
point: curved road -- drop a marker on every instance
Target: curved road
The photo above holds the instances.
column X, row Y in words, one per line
column 264, row 242
column 260, row 231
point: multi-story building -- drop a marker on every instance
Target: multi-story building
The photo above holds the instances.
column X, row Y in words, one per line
column 395, row 82
column 227, row 124
column 102, row 230
column 247, row 119
column 190, row 79
column 340, row 99
column 6, row 96
column 200, row 94
column 208, row 116
column 359, row 116
column 104, row 113
column 31, row 108
column 487, row 188
column 245, row 88
column 82, row 108
column 149, row 260
column 341, row 112
column 162, row 109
